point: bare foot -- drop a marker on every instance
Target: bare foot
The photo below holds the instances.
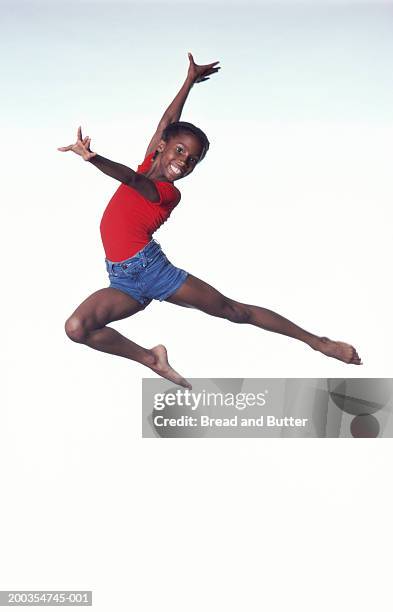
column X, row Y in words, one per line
column 162, row 367
column 338, row 350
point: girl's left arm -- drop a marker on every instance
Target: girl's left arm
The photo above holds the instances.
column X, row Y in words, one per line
column 119, row 172
column 195, row 74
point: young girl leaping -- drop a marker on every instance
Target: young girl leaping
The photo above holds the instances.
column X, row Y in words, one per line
column 138, row 269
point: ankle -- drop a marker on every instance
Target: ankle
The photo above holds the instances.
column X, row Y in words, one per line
column 149, row 358
column 316, row 342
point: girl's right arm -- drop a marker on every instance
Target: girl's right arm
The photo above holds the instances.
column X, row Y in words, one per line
column 196, row 74
column 121, row 173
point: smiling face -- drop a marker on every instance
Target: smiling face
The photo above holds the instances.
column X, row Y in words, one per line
column 178, row 156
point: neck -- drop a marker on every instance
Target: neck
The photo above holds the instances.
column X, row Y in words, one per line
column 154, row 173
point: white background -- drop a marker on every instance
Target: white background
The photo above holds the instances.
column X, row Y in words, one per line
column 291, row 209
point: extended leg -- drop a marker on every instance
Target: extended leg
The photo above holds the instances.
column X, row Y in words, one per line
column 88, row 325
column 195, row 293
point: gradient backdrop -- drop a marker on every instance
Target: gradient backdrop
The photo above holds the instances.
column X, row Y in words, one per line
column 291, row 209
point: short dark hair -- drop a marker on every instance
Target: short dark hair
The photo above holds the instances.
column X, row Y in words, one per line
column 178, row 127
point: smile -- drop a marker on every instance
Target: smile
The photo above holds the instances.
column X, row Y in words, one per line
column 175, row 169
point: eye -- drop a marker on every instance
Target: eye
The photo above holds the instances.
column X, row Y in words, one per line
column 179, row 149
column 193, row 160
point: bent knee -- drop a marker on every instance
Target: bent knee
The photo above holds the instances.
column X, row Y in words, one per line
column 236, row 312
column 76, row 329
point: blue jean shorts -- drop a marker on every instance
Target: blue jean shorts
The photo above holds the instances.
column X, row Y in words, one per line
column 147, row 275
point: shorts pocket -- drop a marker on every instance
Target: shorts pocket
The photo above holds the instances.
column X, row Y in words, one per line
column 131, row 269
column 155, row 257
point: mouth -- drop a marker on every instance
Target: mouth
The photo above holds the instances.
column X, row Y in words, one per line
column 175, row 170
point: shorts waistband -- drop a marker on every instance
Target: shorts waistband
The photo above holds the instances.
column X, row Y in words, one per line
column 150, row 249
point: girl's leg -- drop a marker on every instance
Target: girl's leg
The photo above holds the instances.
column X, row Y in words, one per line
column 195, row 293
column 87, row 325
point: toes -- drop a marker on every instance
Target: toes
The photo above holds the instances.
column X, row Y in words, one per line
column 342, row 351
column 355, row 357
column 183, row 382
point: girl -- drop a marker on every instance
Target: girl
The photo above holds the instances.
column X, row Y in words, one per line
column 138, row 269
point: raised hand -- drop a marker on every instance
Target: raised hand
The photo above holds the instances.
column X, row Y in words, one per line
column 81, row 146
column 197, row 73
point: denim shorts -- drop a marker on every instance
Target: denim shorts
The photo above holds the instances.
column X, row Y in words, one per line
column 147, row 275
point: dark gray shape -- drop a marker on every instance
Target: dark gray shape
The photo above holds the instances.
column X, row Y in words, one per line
column 365, row 426
column 360, row 395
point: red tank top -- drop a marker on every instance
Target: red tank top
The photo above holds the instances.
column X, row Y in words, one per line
column 130, row 220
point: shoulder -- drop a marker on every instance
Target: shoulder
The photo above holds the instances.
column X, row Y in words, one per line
column 145, row 165
column 169, row 194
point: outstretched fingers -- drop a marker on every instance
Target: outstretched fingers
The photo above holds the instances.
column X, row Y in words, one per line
column 200, row 72
column 191, row 57
column 69, row 148
column 212, row 70
column 212, row 66
column 81, row 146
